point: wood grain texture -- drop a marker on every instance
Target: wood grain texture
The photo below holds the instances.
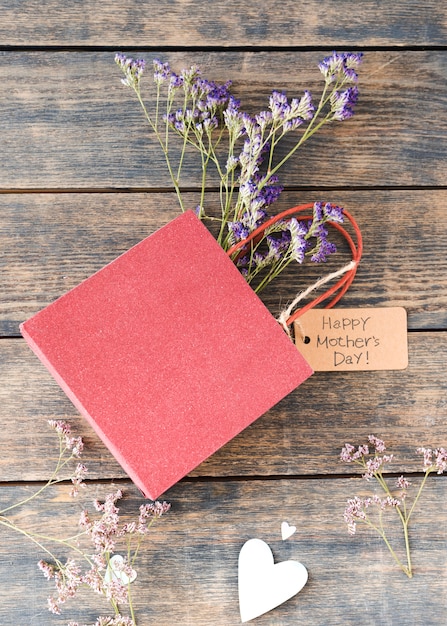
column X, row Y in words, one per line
column 302, row 435
column 68, row 122
column 211, row 23
column 51, row 242
column 82, row 180
column 188, row 570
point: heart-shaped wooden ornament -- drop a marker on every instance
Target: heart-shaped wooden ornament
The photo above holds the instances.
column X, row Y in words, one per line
column 115, row 572
column 287, row 530
column 264, row 585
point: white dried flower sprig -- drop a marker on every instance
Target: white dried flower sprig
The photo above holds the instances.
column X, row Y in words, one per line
column 370, row 510
column 106, row 532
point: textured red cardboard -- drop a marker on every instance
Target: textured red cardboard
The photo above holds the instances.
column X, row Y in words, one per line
column 167, row 352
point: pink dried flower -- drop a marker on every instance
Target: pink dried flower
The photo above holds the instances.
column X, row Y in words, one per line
column 402, row 482
column 84, row 521
column 378, row 444
column 441, row 460
column 354, row 511
column 47, row 569
column 76, row 445
column 61, row 427
column 150, row 511
column 117, row 620
column 116, row 591
column 94, row 580
column 105, row 531
column 78, row 479
column 349, row 454
column 99, row 561
column 373, row 465
column 434, row 459
column 428, row 457
column 53, row 606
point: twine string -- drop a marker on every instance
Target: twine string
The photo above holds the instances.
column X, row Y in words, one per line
column 285, row 315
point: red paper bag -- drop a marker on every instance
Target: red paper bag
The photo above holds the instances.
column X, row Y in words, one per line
column 167, row 352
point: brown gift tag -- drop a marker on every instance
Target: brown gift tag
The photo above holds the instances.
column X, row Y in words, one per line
column 353, row 339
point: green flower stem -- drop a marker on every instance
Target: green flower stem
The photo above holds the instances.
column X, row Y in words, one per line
column 381, row 532
column 421, row 487
column 37, row 537
column 164, row 147
column 51, row 481
column 11, row 526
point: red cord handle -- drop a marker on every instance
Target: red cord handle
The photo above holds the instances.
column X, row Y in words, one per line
column 343, row 283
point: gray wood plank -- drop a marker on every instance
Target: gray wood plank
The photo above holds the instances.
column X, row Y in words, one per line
column 68, row 122
column 302, row 435
column 187, row 570
column 210, row 23
column 51, row 242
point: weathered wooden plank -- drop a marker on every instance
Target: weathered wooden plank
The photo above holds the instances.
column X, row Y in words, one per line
column 223, row 23
column 50, row 242
column 187, row 570
column 302, row 435
column 67, row 121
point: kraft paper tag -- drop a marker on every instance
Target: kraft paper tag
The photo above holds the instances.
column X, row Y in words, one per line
column 353, row 339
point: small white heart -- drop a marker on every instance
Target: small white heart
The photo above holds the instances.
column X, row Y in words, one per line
column 287, row 530
column 264, row 585
column 114, row 571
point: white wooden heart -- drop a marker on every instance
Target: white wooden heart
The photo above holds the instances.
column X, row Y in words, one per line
column 264, row 585
column 287, row 530
column 114, row 571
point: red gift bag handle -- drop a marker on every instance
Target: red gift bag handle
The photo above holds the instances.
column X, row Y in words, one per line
column 343, row 284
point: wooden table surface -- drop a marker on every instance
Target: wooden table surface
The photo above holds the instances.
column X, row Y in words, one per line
column 81, row 181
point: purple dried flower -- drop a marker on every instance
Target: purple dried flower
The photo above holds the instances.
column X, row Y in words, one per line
column 298, row 244
column 278, row 105
column 303, row 107
column 340, row 66
column 324, row 250
column 342, row 103
column 278, row 243
column 133, row 70
column 162, row 71
column 238, row 230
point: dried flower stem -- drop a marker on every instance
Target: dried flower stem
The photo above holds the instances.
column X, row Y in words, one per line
column 200, row 114
column 104, row 532
column 372, row 464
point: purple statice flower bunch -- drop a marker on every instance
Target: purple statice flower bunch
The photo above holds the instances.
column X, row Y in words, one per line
column 370, row 510
column 94, row 567
column 286, row 241
column 340, row 70
column 191, row 114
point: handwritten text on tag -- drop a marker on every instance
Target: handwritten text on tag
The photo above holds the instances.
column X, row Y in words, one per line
column 353, row 339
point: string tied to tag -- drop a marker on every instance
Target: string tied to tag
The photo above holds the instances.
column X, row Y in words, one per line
column 345, row 274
